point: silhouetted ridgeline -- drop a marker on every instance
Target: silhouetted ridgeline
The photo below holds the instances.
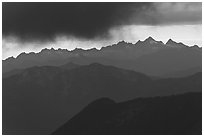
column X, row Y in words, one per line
column 172, row 115
column 38, row 100
column 150, row 57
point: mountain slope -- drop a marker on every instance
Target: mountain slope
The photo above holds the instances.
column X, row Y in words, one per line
column 67, row 66
column 181, row 114
column 37, row 97
column 42, row 98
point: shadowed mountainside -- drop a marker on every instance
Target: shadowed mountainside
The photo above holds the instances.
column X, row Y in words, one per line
column 39, row 99
column 67, row 66
column 171, row 115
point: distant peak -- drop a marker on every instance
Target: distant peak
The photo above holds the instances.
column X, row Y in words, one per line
column 138, row 42
column 149, row 39
column 45, row 49
column 78, row 49
column 48, row 50
column 9, row 58
column 122, row 42
column 92, row 49
column 195, row 46
column 21, row 55
column 170, row 41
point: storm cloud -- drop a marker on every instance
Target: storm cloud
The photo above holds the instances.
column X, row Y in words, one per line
column 46, row 21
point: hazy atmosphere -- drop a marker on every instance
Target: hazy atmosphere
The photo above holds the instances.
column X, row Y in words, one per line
column 95, row 68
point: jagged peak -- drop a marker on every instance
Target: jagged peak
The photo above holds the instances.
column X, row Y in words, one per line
column 123, row 44
column 195, row 46
column 59, row 49
column 149, row 39
column 52, row 49
column 170, row 41
column 120, row 45
column 9, row 58
column 45, row 49
column 20, row 55
column 161, row 42
column 175, row 44
column 78, row 49
column 92, row 49
column 122, row 41
column 139, row 41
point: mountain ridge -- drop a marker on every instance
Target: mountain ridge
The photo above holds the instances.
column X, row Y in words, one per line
column 123, row 55
column 149, row 39
column 46, row 96
column 141, row 116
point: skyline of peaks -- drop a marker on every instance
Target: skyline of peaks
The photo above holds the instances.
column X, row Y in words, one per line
column 121, row 44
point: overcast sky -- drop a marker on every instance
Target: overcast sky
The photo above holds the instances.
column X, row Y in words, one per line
column 28, row 27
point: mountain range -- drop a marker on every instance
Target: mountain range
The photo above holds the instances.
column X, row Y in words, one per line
column 150, row 57
column 42, row 91
column 39, row 99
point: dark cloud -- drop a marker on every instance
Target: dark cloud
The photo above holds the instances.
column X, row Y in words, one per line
column 43, row 21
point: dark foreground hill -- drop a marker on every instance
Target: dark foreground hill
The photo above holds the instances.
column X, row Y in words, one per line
column 38, row 100
column 177, row 114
